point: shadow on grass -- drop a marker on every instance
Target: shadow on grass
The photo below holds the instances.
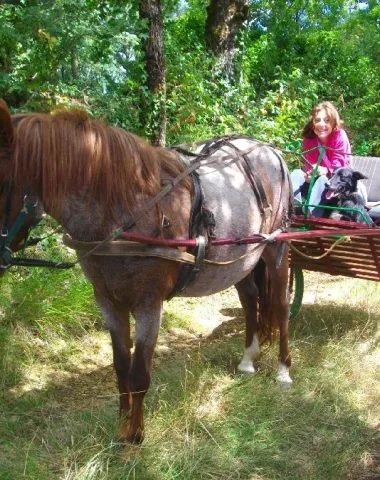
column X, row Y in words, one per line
column 202, row 423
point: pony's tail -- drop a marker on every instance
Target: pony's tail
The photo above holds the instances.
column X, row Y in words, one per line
column 267, row 321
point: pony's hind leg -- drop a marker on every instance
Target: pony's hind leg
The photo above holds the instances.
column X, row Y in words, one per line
column 279, row 304
column 248, row 295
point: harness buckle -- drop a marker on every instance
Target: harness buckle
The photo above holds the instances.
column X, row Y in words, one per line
column 209, row 222
column 165, row 224
column 25, row 208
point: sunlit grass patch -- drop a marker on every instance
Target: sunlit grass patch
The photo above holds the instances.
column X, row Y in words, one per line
column 59, row 300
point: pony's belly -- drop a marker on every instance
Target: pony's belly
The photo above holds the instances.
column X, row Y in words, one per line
column 234, row 206
column 226, row 272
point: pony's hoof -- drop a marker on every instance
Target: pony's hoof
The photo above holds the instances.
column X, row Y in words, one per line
column 284, row 382
column 283, row 377
column 246, row 366
column 131, row 453
column 129, row 434
column 136, row 438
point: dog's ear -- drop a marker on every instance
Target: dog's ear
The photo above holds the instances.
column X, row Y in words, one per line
column 358, row 175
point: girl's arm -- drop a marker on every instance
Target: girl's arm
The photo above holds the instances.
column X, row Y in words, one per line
column 311, row 157
column 342, row 147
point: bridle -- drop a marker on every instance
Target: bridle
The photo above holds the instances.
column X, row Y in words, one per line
column 31, row 208
column 9, row 231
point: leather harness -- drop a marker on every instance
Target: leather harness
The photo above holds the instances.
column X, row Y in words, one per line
column 201, row 222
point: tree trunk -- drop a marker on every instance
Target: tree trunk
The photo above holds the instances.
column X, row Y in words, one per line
column 224, row 20
column 153, row 46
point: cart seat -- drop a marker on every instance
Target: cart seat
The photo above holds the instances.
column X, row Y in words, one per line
column 374, row 213
column 370, row 167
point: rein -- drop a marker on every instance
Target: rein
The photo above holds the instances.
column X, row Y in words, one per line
column 201, row 158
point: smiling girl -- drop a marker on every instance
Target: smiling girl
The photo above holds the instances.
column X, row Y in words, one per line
column 324, row 127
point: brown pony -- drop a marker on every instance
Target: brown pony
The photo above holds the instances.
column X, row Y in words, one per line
column 94, row 178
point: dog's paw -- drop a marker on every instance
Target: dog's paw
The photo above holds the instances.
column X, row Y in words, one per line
column 335, row 215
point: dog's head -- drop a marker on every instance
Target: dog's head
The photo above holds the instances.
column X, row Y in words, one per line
column 343, row 182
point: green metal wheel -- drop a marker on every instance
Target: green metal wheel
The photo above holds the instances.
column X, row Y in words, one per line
column 296, row 288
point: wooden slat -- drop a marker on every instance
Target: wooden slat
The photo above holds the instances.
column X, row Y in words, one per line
column 350, row 249
column 335, row 262
column 344, row 248
column 358, row 258
column 343, row 272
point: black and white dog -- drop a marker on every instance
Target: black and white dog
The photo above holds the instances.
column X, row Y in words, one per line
column 342, row 191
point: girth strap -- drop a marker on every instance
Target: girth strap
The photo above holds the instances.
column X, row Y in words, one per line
column 189, row 272
column 258, row 188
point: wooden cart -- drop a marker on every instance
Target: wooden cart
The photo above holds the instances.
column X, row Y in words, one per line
column 353, row 253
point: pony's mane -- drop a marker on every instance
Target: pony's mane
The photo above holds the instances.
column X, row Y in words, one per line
column 68, row 151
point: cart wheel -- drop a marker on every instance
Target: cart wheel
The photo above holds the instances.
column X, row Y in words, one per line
column 296, row 287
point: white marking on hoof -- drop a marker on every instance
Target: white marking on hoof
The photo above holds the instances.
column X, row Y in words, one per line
column 251, row 353
column 246, row 366
column 283, row 376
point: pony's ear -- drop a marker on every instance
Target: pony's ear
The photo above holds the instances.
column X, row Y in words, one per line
column 358, row 175
column 6, row 127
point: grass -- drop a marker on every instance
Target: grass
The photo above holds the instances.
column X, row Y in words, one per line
column 203, row 421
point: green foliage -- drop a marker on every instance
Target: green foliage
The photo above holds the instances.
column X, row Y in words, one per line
column 288, row 56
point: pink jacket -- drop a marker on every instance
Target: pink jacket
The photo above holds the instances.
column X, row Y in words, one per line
column 332, row 159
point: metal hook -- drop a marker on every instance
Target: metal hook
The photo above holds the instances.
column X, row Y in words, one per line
column 166, row 223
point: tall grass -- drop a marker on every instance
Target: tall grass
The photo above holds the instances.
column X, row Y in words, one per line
column 203, row 420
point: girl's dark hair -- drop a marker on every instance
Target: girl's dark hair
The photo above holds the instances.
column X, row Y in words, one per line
column 332, row 113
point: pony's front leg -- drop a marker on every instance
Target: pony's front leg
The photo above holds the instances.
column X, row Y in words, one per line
column 280, row 305
column 148, row 318
column 121, row 349
column 117, row 321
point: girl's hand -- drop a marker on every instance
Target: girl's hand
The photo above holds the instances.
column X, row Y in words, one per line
column 322, row 171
